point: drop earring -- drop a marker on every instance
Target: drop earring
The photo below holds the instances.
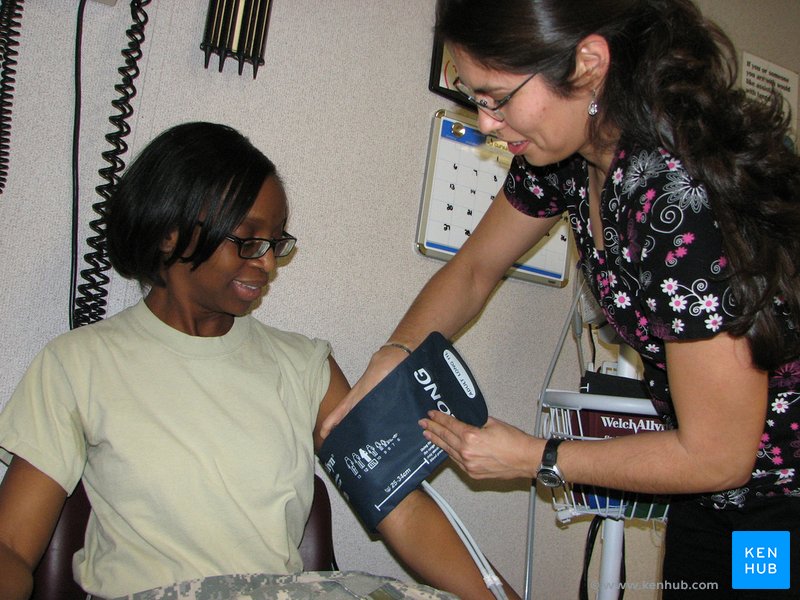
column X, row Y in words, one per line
column 593, row 108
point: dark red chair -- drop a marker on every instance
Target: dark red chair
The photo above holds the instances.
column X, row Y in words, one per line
column 316, row 547
column 52, row 579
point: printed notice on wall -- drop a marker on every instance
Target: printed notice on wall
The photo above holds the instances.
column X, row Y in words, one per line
column 760, row 77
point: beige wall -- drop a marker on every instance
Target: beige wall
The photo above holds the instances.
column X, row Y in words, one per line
column 343, row 109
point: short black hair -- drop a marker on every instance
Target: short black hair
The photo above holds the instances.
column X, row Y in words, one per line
column 191, row 172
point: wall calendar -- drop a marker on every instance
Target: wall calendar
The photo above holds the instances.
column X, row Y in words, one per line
column 465, row 170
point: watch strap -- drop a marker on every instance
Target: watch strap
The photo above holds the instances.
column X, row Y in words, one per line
column 550, row 454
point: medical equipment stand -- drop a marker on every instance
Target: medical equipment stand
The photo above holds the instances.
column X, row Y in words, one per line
column 613, row 515
column 614, row 529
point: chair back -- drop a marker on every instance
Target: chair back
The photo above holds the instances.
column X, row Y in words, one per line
column 316, row 547
column 53, row 580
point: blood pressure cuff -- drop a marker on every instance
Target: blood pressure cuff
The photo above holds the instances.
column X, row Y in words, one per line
column 377, row 454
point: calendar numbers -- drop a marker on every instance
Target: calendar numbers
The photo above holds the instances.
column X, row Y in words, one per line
column 465, row 172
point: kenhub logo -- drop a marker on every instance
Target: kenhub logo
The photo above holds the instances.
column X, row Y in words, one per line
column 760, row 560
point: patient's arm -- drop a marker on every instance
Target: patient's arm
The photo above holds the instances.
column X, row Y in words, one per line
column 30, row 503
column 417, row 529
column 426, row 542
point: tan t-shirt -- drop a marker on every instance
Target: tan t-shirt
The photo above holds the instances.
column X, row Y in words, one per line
column 196, row 453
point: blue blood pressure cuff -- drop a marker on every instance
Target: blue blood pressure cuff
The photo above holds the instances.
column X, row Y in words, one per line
column 377, row 454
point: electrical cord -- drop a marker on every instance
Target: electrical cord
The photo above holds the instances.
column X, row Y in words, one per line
column 490, row 578
column 88, row 300
column 10, row 21
column 76, row 127
column 591, row 535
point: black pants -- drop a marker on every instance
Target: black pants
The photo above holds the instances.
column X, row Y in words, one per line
column 698, row 548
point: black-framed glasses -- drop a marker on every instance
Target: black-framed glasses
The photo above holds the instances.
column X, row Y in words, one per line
column 255, row 247
column 483, row 103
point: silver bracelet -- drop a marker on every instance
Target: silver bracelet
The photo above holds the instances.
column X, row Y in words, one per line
column 403, row 347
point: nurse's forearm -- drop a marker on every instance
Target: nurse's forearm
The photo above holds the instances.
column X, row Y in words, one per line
column 450, row 300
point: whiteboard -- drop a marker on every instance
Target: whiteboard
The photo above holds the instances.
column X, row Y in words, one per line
column 464, row 172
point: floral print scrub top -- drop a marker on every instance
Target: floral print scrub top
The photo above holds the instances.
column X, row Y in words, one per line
column 659, row 279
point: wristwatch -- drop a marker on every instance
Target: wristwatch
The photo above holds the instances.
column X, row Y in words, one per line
column 549, row 474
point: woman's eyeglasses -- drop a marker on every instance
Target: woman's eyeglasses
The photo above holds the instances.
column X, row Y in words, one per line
column 256, row 247
column 486, row 104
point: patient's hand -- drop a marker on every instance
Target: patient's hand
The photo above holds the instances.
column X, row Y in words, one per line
column 380, row 365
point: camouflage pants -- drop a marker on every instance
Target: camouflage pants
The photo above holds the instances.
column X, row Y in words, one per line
column 335, row 585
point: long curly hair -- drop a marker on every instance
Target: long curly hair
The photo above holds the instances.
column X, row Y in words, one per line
column 672, row 82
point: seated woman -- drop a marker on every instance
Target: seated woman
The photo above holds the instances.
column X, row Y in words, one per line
column 192, row 425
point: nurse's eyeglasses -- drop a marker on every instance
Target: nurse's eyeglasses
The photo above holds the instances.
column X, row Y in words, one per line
column 487, row 104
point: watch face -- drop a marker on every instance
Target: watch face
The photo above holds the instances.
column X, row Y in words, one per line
column 549, row 478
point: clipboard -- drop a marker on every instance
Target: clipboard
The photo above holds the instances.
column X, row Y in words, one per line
column 465, row 170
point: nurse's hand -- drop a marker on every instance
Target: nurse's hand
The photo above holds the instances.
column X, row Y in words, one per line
column 495, row 451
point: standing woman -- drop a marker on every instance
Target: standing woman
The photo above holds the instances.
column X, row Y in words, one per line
column 683, row 198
